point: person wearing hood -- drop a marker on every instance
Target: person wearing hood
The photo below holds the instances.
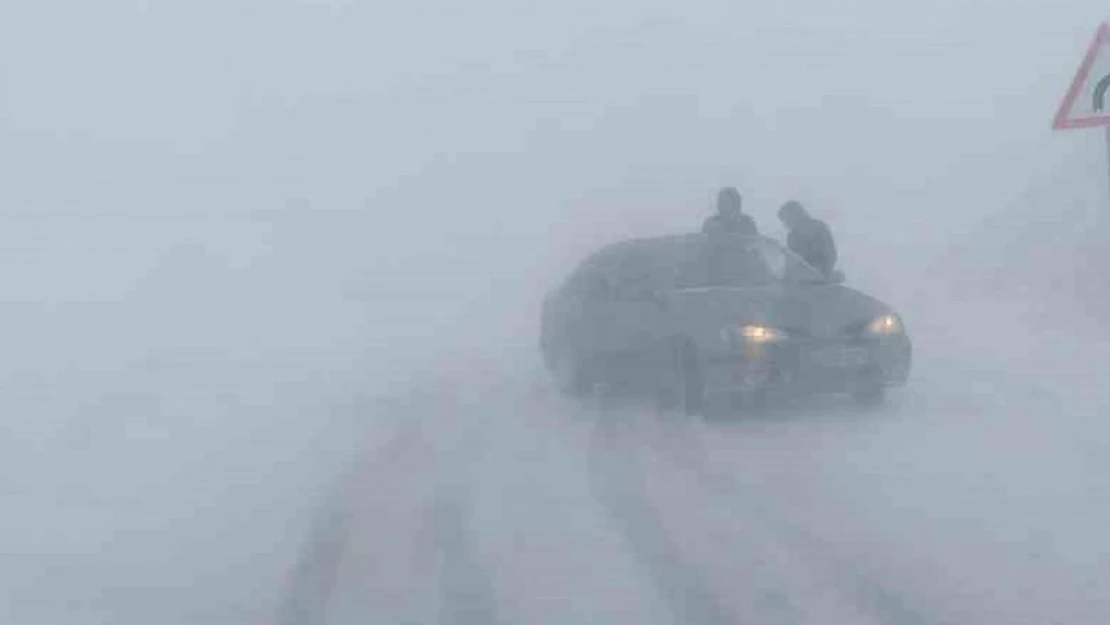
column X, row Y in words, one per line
column 729, row 218
column 809, row 237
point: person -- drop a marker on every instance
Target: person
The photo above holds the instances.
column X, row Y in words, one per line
column 729, row 218
column 809, row 237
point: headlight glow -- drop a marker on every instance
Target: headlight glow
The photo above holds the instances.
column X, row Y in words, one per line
column 761, row 334
column 885, row 325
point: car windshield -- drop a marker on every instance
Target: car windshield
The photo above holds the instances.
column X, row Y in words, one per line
column 734, row 261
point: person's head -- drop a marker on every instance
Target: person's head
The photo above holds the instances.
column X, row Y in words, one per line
column 792, row 213
column 728, row 202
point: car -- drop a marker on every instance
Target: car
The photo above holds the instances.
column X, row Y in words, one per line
column 690, row 319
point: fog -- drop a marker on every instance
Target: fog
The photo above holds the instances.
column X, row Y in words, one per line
column 251, row 248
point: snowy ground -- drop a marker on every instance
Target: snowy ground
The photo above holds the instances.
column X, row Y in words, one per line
column 978, row 496
column 267, row 314
column 164, row 493
column 237, row 484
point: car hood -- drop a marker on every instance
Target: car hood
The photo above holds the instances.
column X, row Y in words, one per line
column 820, row 310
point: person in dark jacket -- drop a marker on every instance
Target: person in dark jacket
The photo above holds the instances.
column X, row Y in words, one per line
column 808, row 237
column 729, row 218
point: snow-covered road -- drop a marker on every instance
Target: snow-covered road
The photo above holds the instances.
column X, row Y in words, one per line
column 169, row 492
column 979, row 495
column 238, row 489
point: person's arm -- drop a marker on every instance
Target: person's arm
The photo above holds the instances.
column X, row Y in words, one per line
column 830, row 245
column 707, row 225
column 792, row 242
column 751, row 225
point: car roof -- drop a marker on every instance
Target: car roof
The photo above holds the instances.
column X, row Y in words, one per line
column 666, row 245
column 663, row 252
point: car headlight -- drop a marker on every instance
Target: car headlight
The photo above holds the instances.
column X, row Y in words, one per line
column 886, row 325
column 758, row 334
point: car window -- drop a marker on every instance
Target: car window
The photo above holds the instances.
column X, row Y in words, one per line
column 641, row 272
column 593, row 280
column 742, row 262
column 726, row 262
column 626, row 271
column 787, row 266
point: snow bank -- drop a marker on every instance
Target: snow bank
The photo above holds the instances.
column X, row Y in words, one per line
column 176, row 402
column 1044, row 257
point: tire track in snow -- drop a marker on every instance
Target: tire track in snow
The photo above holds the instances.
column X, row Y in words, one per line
column 467, row 590
column 436, row 465
column 713, row 570
column 681, row 584
column 314, row 575
column 468, row 594
column 870, row 596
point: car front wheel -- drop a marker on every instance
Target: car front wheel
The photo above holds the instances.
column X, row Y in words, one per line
column 870, row 390
column 682, row 386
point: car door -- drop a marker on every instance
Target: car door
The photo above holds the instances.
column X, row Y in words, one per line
column 577, row 317
column 630, row 319
column 598, row 318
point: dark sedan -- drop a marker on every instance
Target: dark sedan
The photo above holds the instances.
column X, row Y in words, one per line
column 690, row 318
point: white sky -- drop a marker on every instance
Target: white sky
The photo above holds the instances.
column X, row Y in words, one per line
column 916, row 115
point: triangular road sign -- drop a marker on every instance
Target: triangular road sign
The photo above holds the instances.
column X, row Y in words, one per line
column 1087, row 103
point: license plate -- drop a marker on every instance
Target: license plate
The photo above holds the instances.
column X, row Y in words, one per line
column 839, row 356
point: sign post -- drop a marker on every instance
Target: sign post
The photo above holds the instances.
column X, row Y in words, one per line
column 1087, row 102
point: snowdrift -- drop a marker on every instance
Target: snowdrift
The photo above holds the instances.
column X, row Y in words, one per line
column 1044, row 257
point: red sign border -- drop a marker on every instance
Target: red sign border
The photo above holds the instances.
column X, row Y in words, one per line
column 1062, row 121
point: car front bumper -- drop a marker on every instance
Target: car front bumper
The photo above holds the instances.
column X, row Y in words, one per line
column 809, row 367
